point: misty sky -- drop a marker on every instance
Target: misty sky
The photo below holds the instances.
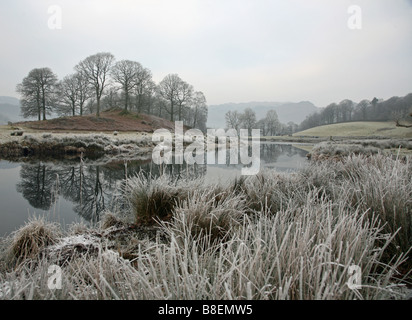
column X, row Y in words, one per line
column 232, row 50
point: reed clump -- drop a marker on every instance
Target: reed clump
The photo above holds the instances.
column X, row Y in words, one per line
column 28, row 241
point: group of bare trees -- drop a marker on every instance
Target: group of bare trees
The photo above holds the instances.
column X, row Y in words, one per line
column 99, row 83
column 395, row 108
column 269, row 125
column 38, row 93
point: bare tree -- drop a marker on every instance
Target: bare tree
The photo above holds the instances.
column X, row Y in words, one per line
column 233, row 120
column 199, row 111
column 346, row 109
column 112, row 99
column 74, row 92
column 168, row 89
column 183, row 96
column 144, row 86
column 149, row 95
column 272, row 122
column 126, row 72
column 96, row 69
column 248, row 119
column 85, row 91
column 37, row 92
column 362, row 109
column 68, row 92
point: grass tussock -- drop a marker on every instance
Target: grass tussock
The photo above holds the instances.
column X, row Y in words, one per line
column 155, row 198
column 270, row 236
column 210, row 216
column 28, row 241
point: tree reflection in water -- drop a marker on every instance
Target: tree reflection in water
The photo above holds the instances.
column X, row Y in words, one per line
column 92, row 185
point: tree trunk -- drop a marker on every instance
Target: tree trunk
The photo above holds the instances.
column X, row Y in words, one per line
column 98, row 107
column 98, row 95
column 126, row 100
column 139, row 103
column 44, row 107
column 73, row 108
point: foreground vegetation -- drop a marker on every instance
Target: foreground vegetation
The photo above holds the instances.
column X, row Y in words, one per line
column 270, row 236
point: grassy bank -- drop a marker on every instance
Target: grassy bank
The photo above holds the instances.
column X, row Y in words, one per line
column 386, row 129
column 338, row 149
column 88, row 144
column 270, row 236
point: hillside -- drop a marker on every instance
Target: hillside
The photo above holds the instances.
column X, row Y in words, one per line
column 113, row 120
column 287, row 111
column 9, row 110
column 358, row 129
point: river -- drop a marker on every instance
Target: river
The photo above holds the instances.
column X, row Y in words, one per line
column 68, row 191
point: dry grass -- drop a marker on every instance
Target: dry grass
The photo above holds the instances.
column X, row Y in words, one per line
column 364, row 147
column 28, row 241
column 152, row 198
column 110, row 120
column 270, row 236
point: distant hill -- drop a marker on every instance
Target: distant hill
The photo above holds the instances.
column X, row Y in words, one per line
column 287, row 111
column 9, row 110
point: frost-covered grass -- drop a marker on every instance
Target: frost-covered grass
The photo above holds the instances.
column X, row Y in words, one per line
column 270, row 236
column 70, row 143
column 87, row 139
column 365, row 146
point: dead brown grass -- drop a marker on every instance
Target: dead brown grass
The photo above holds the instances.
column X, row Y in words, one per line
column 112, row 120
column 28, row 241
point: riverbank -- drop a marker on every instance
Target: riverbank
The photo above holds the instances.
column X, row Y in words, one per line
column 35, row 143
column 269, row 236
column 116, row 131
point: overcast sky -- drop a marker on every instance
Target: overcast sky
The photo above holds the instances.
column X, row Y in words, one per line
column 232, row 50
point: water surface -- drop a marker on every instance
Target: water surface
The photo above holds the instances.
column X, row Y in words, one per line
column 70, row 191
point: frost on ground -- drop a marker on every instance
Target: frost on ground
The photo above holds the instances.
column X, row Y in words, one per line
column 76, row 143
column 269, row 236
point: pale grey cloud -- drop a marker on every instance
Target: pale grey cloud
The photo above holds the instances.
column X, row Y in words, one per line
column 232, row 50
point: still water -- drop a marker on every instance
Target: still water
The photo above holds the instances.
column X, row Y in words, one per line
column 70, row 191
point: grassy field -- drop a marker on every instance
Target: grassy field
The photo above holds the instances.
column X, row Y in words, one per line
column 358, row 129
